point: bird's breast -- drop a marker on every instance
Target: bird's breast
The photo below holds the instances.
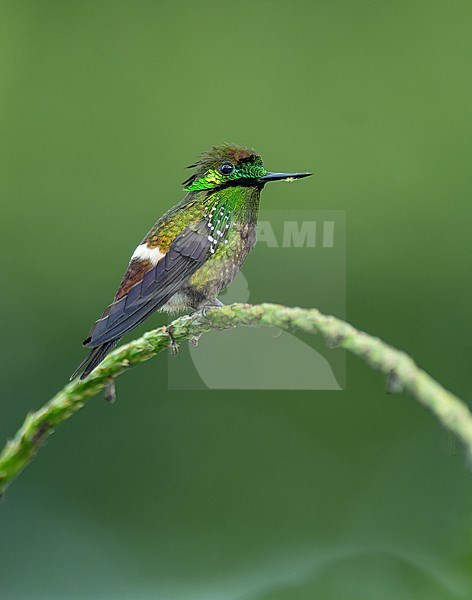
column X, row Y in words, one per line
column 222, row 267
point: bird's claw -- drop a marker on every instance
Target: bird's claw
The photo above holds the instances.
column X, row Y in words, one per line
column 215, row 304
column 173, row 344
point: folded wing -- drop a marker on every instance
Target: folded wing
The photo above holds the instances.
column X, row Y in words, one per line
column 185, row 255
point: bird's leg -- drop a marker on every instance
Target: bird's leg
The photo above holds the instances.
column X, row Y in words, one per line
column 203, row 307
column 207, row 304
column 173, row 344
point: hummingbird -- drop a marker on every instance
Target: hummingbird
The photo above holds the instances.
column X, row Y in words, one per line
column 193, row 251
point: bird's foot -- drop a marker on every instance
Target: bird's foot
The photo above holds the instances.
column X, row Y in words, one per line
column 173, row 344
column 207, row 305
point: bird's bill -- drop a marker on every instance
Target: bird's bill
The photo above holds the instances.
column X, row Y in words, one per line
column 283, row 176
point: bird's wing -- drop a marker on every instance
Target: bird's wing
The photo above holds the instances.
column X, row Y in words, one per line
column 154, row 286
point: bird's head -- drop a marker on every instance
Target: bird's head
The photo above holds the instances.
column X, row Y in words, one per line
column 232, row 165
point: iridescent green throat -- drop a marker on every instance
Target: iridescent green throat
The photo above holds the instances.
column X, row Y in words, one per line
column 232, row 203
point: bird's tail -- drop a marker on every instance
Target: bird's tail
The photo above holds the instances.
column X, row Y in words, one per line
column 94, row 358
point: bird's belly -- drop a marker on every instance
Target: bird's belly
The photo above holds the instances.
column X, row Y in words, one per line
column 223, row 266
column 205, row 284
column 216, row 273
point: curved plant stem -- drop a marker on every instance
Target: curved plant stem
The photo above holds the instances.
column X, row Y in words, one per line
column 400, row 369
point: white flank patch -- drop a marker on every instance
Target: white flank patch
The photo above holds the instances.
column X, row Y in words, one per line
column 176, row 303
column 143, row 252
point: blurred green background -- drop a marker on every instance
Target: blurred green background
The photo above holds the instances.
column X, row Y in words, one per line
column 236, row 494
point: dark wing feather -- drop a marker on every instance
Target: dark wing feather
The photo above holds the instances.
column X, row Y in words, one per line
column 93, row 359
column 185, row 255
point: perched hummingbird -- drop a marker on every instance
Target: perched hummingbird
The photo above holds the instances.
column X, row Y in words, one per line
column 193, row 251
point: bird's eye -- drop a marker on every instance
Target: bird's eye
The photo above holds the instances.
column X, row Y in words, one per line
column 226, row 168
